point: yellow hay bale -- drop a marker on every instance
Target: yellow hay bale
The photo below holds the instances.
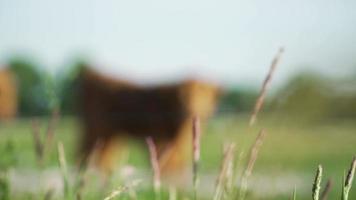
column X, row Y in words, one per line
column 8, row 95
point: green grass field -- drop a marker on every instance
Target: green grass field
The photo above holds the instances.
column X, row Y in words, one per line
column 288, row 158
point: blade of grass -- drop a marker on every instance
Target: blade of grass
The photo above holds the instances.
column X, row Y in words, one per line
column 326, row 191
column 121, row 189
column 261, row 97
column 155, row 166
column 196, row 154
column 294, row 194
column 237, row 166
column 172, row 193
column 348, row 181
column 229, row 182
column 84, row 166
column 4, row 186
column 64, row 170
column 317, row 182
column 223, row 174
column 49, row 194
column 251, row 163
column 50, row 131
column 38, row 142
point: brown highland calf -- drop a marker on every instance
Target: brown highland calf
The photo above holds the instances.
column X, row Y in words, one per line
column 114, row 110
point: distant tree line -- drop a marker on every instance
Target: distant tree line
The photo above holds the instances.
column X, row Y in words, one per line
column 40, row 92
column 306, row 94
column 313, row 96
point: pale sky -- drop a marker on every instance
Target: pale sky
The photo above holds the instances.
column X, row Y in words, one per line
column 229, row 41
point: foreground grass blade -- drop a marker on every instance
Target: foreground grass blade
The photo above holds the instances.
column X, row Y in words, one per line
column 4, row 186
column 261, row 97
column 348, row 181
column 251, row 163
column 51, row 127
column 38, row 142
column 64, row 170
column 49, row 194
column 317, row 182
column 326, row 191
column 155, row 166
column 294, row 194
column 196, row 154
column 117, row 192
column 222, row 181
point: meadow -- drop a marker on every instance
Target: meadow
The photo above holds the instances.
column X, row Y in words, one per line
column 291, row 152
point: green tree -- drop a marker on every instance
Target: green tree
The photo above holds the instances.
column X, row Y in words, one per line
column 32, row 88
column 305, row 96
column 68, row 88
column 237, row 100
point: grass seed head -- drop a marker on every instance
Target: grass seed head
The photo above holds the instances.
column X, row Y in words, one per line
column 317, row 182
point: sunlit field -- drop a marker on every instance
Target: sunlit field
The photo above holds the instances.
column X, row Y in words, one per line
column 288, row 159
column 177, row 100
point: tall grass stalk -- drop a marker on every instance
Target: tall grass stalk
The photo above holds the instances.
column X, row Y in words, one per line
column 155, row 167
column 230, row 179
column 237, row 165
column 326, row 191
column 294, row 194
column 317, row 182
column 121, row 189
column 251, row 163
column 38, row 144
column 196, row 154
column 172, row 193
column 51, row 129
column 348, row 181
column 84, row 166
column 225, row 173
column 44, row 146
column 49, row 194
column 261, row 97
column 4, row 186
column 64, row 169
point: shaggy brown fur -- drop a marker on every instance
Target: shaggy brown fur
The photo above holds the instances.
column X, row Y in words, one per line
column 8, row 95
column 114, row 110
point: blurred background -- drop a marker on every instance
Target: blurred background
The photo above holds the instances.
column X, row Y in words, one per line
column 309, row 113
